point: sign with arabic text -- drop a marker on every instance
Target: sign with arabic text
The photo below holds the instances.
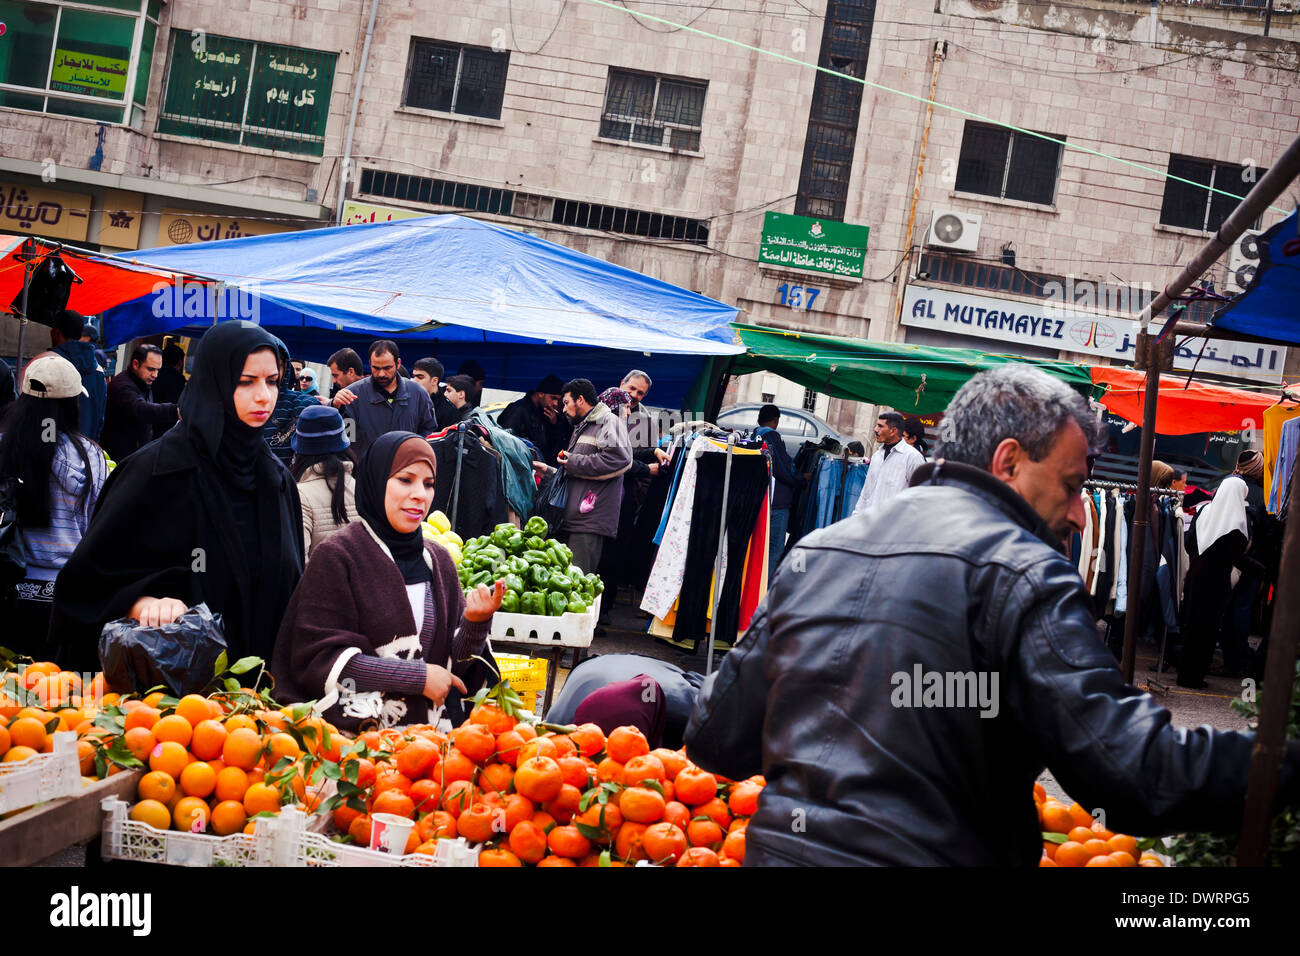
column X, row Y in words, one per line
column 1054, row 325
column 356, row 213
column 177, row 227
column 822, row 245
column 49, row 213
column 88, row 74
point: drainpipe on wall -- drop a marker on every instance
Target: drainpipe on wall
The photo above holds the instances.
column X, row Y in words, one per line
column 352, row 121
column 940, row 54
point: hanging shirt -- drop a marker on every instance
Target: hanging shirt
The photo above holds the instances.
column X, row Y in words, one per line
column 1284, row 460
column 1086, row 539
column 890, row 473
column 1099, row 500
column 1275, row 419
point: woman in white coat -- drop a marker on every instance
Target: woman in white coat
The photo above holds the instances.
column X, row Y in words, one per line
column 322, row 466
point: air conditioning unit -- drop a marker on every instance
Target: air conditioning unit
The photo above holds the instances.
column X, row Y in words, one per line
column 1243, row 261
column 953, row 230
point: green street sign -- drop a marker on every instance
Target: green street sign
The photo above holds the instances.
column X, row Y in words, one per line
column 821, row 245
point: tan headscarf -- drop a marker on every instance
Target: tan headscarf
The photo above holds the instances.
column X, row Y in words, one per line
column 1162, row 475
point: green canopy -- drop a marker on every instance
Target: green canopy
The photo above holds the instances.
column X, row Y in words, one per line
column 911, row 378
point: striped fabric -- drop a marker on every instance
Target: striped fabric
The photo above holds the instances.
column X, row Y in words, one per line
column 50, row 547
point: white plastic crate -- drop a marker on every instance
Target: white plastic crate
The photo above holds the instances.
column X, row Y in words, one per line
column 564, row 630
column 284, row 840
column 43, row 777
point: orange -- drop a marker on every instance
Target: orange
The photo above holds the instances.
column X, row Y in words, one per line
column 475, row 741
column 1046, row 860
column 539, row 779
column 169, row 757
column 261, row 797
column 568, row 841
column 496, row 856
column 142, row 716
column 140, row 741
column 280, row 745
column 642, row 805
column 629, row 843
column 1040, row 794
column 1081, row 834
column 518, row 808
column 191, row 815
column 589, row 738
column 1150, row 859
column 479, row 823
column 194, row 708
column 228, row 817
column 528, row 842
column 716, row 810
column 704, row 833
column 393, row 801
column 557, row 861
column 564, row 746
column 1096, row 847
column 1071, row 853
column 231, row 784
column 1123, row 859
column 156, row 785
column 238, row 721
column 208, row 739
column 242, row 748
column 508, row 747
column 624, row 743
column 734, row 845
column 17, row 754
column 198, row 779
column 527, row 731
column 175, row 728
column 418, row 758
column 646, row 767
column 491, row 716
column 496, row 777
column 565, row 804
column 575, row 771
column 538, row 747
column 1101, row 860
column 153, row 813
column 544, row 820
column 699, row 856
column 456, row 766
column 154, row 699
column 1124, row 844
column 665, row 843
column 458, row 796
column 27, row 732
column 1081, row 817
column 674, row 761
column 360, row 830
column 693, row 786
column 677, row 814
column 592, row 815
column 1049, row 849
column 425, row 794
column 743, row 800
column 389, row 777
column 438, row 824
column 1057, row 818
column 85, row 756
column 609, row 770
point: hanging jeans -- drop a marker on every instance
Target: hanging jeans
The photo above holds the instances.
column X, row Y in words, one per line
column 744, row 499
column 776, row 540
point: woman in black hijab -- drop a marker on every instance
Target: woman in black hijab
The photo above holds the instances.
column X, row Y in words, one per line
column 203, row 514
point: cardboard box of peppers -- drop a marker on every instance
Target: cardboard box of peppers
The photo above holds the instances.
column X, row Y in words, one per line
column 539, row 573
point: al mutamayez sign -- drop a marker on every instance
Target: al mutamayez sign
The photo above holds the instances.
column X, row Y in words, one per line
column 1056, row 326
column 821, row 245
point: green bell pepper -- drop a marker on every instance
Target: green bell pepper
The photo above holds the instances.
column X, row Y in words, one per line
column 597, row 584
column 556, row 603
column 537, row 526
column 532, row 602
column 535, row 543
column 561, row 556
column 517, row 565
column 482, row 577
column 540, row 576
column 515, row 543
column 535, row 558
column 576, row 604
column 510, row 602
column 514, row 583
column 560, row 582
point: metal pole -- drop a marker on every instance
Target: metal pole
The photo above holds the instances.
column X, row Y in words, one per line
column 1268, row 17
column 358, row 80
column 1279, row 673
column 28, row 269
column 1146, row 355
column 717, row 562
column 455, row 491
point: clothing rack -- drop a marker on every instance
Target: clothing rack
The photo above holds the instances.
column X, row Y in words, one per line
column 1127, row 486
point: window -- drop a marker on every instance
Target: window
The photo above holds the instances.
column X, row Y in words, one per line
column 248, row 93
column 455, row 79
column 809, row 400
column 1193, row 207
column 767, row 398
column 996, row 161
column 56, row 58
column 655, row 110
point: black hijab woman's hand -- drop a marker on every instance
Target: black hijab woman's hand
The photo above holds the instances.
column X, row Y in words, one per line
column 481, row 604
column 154, row 612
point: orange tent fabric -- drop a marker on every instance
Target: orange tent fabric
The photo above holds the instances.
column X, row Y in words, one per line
column 1182, row 411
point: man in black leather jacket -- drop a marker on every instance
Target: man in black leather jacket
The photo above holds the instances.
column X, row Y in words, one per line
column 913, row 670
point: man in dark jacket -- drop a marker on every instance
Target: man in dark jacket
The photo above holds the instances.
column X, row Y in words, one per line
column 132, row 418
column 384, row 402
column 534, row 416
column 913, row 669
column 65, row 339
column 788, row 483
column 171, row 377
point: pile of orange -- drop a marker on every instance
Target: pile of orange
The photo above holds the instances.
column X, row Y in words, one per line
column 1087, row 842
column 574, row 798
column 206, row 768
column 40, row 700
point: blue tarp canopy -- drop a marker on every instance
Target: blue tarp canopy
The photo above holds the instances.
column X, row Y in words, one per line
column 447, row 286
column 1269, row 308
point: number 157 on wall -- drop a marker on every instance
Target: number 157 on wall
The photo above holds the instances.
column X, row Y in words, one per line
column 798, row 296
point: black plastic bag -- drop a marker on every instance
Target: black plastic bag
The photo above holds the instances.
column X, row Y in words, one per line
column 181, row 656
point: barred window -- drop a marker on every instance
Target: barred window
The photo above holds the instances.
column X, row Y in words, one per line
column 996, row 161
column 455, row 79
column 655, row 110
column 1194, row 207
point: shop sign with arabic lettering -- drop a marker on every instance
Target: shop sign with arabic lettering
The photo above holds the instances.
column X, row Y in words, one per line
column 89, row 74
column 821, row 245
column 177, row 227
column 1053, row 325
column 50, row 213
